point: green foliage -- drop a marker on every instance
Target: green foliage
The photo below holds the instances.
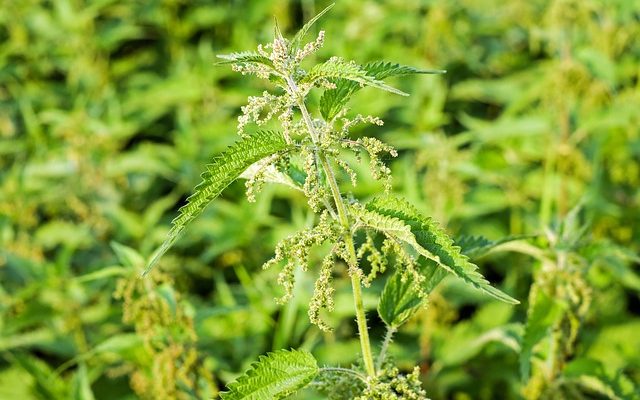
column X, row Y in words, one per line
column 336, row 68
column 430, row 241
column 110, row 110
column 338, row 384
column 333, row 100
column 221, row 173
column 274, row 376
column 543, row 313
column 296, row 42
column 478, row 246
column 164, row 334
column 401, row 299
column 319, row 142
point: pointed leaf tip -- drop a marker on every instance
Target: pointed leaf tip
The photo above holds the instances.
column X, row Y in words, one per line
column 297, row 39
column 394, row 215
column 224, row 169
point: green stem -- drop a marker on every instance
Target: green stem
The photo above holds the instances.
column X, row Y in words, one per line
column 385, row 346
column 356, row 285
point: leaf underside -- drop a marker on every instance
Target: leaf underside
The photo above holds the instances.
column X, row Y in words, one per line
column 244, row 57
column 398, row 301
column 224, row 169
column 333, row 100
column 432, row 242
column 274, row 376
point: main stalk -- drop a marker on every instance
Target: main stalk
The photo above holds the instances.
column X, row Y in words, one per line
column 356, row 284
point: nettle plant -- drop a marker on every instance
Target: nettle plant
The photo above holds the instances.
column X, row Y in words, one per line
column 307, row 154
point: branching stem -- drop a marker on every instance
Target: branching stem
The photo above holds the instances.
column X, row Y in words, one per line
column 343, row 218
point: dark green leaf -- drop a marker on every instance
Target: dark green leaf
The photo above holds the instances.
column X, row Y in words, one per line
column 478, row 246
column 400, row 298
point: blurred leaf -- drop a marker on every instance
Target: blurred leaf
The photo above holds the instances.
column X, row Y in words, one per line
column 128, row 256
column 478, row 246
column 47, row 384
column 543, row 313
column 82, row 385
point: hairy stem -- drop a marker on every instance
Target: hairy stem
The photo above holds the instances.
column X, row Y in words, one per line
column 385, row 346
column 356, row 285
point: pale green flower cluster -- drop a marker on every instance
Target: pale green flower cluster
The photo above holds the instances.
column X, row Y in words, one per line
column 392, row 385
column 295, row 250
column 316, row 139
column 377, row 260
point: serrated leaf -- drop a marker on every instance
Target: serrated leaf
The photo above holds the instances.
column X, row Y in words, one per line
column 274, row 376
column 225, row 169
column 478, row 246
column 333, row 100
column 470, row 245
column 244, row 57
column 430, row 241
column 542, row 315
column 297, row 39
column 400, row 298
column 337, row 68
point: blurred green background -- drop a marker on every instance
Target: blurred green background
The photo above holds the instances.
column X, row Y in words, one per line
column 109, row 111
